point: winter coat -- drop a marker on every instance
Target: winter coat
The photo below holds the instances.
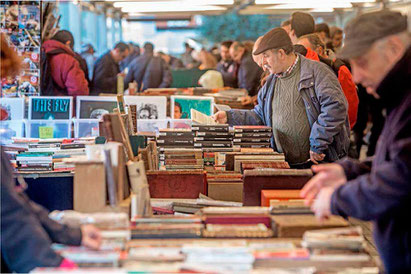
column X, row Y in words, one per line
column 381, row 192
column 26, row 230
column 249, row 74
column 325, row 104
column 227, row 69
column 65, row 70
column 105, row 75
column 344, row 77
column 149, row 72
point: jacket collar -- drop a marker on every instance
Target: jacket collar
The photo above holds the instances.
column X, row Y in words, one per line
column 396, row 85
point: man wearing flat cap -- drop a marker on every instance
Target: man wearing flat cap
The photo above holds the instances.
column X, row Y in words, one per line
column 378, row 47
column 302, row 101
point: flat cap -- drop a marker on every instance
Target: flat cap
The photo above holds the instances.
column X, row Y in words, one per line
column 274, row 39
column 364, row 30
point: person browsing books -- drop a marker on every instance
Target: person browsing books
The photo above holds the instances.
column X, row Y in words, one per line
column 378, row 46
column 301, row 100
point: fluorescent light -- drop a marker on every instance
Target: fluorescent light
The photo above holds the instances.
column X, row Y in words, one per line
column 171, row 6
column 146, row 4
column 275, row 2
column 315, row 5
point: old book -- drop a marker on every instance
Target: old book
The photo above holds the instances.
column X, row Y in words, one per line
column 257, row 180
column 176, row 184
column 252, row 145
column 214, row 134
column 139, row 184
column 212, row 128
column 226, row 191
column 279, row 195
column 231, row 160
column 251, row 140
column 237, row 231
column 184, row 161
column 252, row 135
column 202, row 118
column 211, row 139
column 238, row 161
column 257, row 129
column 179, row 141
column 176, row 134
column 89, row 187
column 294, row 227
column 110, row 181
column 250, row 164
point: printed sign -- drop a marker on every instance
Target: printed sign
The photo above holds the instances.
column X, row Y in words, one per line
column 45, row 132
column 50, row 108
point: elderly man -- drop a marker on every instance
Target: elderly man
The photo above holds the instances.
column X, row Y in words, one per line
column 302, row 101
column 378, row 47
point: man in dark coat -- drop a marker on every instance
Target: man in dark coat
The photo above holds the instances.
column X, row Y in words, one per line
column 27, row 232
column 134, row 53
column 148, row 71
column 378, row 46
column 248, row 72
column 226, row 66
column 106, row 70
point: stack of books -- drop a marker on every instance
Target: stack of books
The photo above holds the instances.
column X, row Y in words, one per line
column 212, row 136
column 181, row 159
column 338, row 244
column 175, row 138
column 34, row 161
column 252, row 136
column 215, row 141
column 218, row 257
column 237, row 222
column 45, row 155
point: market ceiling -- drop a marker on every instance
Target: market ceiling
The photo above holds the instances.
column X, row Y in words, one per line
column 142, row 8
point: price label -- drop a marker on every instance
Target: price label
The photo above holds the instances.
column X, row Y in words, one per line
column 45, row 132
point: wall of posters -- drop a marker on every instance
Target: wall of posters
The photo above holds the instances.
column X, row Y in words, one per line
column 181, row 106
column 20, row 21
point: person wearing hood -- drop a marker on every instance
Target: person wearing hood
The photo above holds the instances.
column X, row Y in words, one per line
column 66, row 72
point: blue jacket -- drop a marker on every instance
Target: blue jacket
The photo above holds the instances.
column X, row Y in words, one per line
column 149, row 72
column 382, row 192
column 249, row 74
column 26, row 230
column 325, row 105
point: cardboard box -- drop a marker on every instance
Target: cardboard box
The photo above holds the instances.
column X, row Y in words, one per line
column 226, row 191
column 89, row 187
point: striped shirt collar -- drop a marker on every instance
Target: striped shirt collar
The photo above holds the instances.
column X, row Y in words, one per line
column 289, row 70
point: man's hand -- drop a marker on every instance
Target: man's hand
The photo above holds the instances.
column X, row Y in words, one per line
column 322, row 205
column 246, row 100
column 220, row 117
column 91, row 236
column 315, row 157
column 328, row 175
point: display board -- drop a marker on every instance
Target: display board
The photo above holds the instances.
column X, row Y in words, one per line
column 149, row 107
column 94, row 107
column 20, row 21
column 181, row 106
column 14, row 107
column 50, row 108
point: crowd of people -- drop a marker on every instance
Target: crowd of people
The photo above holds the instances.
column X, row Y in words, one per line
column 314, row 85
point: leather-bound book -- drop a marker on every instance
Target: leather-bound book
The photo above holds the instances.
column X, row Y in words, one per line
column 257, row 180
column 177, row 184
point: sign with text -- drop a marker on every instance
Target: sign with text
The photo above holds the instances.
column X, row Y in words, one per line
column 45, row 132
column 50, row 108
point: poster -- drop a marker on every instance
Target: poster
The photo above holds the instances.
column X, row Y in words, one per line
column 14, row 108
column 149, row 107
column 181, row 106
column 94, row 107
column 50, row 108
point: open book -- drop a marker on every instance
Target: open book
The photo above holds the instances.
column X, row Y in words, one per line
column 202, row 118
